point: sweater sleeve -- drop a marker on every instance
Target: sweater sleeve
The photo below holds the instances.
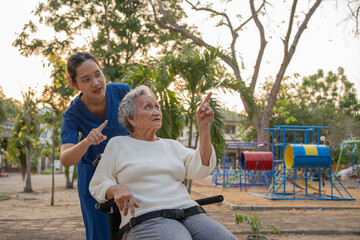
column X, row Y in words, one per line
column 105, row 173
column 194, row 168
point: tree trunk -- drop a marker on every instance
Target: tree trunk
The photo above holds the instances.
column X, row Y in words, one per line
column 265, row 117
column 260, row 125
column 53, row 177
column 190, row 133
column 69, row 184
column 28, row 187
column 188, row 182
column 74, row 175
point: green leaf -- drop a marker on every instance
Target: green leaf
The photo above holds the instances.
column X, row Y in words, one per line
column 275, row 230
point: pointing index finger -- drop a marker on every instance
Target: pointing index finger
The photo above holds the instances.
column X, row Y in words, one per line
column 207, row 98
column 101, row 127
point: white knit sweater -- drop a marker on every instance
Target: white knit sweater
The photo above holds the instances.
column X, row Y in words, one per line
column 152, row 170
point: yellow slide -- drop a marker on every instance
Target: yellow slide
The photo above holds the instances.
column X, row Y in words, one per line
column 301, row 183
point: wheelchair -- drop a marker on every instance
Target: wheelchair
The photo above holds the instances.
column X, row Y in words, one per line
column 114, row 216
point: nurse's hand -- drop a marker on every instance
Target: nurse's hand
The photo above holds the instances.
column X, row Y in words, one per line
column 123, row 198
column 95, row 136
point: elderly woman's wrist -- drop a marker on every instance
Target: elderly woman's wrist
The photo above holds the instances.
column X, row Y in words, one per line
column 109, row 194
column 204, row 129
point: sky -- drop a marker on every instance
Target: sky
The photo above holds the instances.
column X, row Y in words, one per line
column 326, row 44
column 19, row 72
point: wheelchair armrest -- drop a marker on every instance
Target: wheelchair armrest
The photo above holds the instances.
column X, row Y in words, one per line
column 106, row 207
column 210, row 200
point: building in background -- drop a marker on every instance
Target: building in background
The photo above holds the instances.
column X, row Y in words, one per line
column 231, row 134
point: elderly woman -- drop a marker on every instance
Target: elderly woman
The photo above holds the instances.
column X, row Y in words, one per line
column 151, row 171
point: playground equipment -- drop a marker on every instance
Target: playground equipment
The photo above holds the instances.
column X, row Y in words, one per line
column 256, row 161
column 299, row 161
column 307, row 156
column 244, row 165
column 256, row 166
column 350, row 149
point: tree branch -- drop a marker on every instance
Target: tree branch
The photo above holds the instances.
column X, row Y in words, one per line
column 249, row 19
column 212, row 11
column 291, row 21
column 262, row 43
column 158, row 21
column 286, row 60
column 233, row 33
column 176, row 28
column 302, row 28
column 354, row 13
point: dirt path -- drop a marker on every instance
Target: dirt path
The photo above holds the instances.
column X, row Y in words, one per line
column 30, row 216
column 240, row 197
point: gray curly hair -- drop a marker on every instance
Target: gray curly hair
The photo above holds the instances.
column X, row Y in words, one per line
column 127, row 108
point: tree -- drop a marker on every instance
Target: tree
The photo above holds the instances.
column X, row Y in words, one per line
column 57, row 97
column 332, row 102
column 158, row 78
column 259, row 15
column 118, row 32
column 354, row 12
column 320, row 100
column 199, row 73
column 23, row 145
column 9, row 108
column 2, row 106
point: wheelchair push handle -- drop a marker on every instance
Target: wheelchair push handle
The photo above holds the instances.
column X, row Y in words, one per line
column 106, row 207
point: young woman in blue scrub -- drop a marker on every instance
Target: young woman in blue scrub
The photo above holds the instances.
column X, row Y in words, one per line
column 88, row 124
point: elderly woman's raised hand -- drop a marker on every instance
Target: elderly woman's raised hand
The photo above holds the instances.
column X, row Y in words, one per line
column 204, row 113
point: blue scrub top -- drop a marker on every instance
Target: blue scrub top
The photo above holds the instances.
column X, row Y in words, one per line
column 78, row 121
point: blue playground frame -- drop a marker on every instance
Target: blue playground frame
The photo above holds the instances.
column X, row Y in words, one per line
column 225, row 176
column 281, row 175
